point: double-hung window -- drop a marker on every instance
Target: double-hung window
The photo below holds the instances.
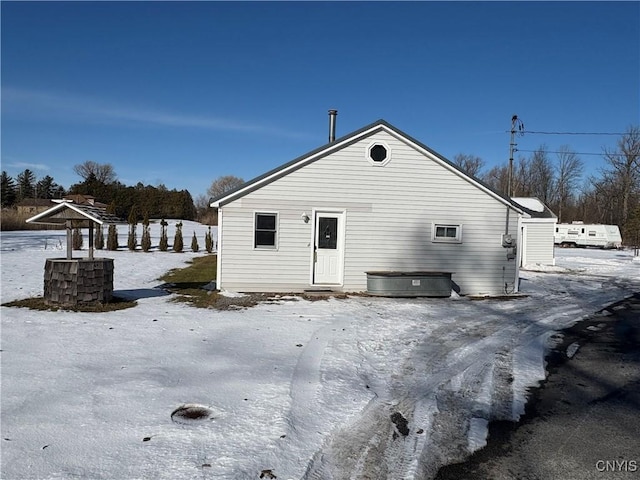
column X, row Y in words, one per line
column 265, row 230
column 446, row 233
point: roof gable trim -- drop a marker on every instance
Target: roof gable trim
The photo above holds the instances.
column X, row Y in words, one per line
column 87, row 212
column 379, row 125
column 295, row 164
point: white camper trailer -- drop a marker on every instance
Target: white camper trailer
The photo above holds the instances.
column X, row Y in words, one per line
column 587, row 235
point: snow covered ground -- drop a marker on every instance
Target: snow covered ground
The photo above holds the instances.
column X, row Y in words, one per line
column 353, row 388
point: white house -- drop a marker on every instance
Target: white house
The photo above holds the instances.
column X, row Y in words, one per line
column 373, row 200
column 537, row 230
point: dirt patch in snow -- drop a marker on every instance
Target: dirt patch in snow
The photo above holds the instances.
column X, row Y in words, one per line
column 38, row 303
column 191, row 413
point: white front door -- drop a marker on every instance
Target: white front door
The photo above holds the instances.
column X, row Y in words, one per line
column 328, row 245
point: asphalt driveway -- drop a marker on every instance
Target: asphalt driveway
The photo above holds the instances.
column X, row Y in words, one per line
column 584, row 421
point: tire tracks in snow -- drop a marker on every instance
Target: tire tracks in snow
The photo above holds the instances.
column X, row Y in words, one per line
column 440, row 407
column 306, row 380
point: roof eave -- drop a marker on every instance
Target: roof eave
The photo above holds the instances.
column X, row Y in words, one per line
column 345, row 140
column 44, row 218
column 294, row 164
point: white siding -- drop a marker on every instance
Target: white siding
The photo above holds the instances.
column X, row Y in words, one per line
column 389, row 213
column 538, row 244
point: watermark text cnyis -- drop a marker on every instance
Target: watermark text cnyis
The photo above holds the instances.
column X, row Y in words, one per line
column 617, row 465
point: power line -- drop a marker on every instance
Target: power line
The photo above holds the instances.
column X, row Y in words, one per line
column 575, row 153
column 569, row 133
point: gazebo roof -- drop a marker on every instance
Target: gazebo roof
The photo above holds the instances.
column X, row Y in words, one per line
column 80, row 215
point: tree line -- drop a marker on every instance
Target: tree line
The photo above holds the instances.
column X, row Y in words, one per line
column 100, row 181
column 13, row 191
column 610, row 196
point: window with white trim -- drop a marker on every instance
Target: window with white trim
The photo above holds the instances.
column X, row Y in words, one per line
column 446, row 233
column 378, row 153
column 265, row 230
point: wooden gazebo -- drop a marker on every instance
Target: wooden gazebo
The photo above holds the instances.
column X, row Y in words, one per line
column 71, row 281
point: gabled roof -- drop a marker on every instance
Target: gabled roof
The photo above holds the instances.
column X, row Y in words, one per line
column 82, row 199
column 534, row 207
column 61, row 212
column 380, row 125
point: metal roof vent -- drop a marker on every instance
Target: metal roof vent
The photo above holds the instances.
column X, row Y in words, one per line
column 332, row 125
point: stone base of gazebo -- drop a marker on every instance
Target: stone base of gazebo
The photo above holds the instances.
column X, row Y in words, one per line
column 78, row 281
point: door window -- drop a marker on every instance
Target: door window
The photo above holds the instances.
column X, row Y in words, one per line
column 328, row 233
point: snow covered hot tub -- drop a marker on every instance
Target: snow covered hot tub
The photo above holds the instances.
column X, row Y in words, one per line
column 409, row 284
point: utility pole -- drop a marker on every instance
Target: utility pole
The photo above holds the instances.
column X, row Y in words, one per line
column 516, row 127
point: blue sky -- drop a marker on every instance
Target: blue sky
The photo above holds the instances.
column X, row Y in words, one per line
column 180, row 93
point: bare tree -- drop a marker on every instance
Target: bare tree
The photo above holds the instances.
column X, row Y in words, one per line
column 522, row 180
column 624, row 169
column 469, row 164
column 542, row 178
column 204, row 213
column 222, row 185
column 568, row 172
column 201, row 202
column 605, row 201
column 104, row 172
column 497, row 178
column 533, row 177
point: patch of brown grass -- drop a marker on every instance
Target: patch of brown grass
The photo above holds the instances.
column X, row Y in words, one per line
column 200, row 271
column 38, row 303
column 201, row 298
column 12, row 220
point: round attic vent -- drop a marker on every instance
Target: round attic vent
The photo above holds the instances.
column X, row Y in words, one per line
column 378, row 153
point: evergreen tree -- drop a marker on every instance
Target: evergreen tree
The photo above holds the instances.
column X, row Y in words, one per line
column 59, row 191
column 194, row 243
column 7, row 190
column 132, row 240
column 76, row 239
column 178, row 244
column 146, row 234
column 48, row 188
column 112, row 237
column 26, row 184
column 164, row 240
column 156, row 201
column 188, row 210
column 208, row 241
column 98, row 239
